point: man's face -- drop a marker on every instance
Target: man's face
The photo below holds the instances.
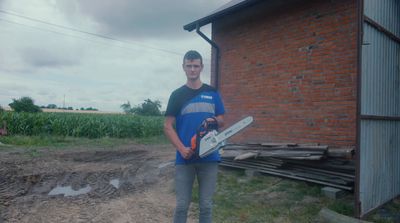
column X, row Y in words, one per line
column 193, row 69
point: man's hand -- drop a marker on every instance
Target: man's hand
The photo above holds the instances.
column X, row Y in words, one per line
column 170, row 132
column 186, row 153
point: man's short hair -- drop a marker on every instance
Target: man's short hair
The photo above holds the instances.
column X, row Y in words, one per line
column 192, row 55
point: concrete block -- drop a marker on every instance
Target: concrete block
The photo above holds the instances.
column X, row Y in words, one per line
column 333, row 193
column 251, row 173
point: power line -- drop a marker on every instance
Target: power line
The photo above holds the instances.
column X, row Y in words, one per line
column 82, row 31
column 205, row 60
column 63, row 34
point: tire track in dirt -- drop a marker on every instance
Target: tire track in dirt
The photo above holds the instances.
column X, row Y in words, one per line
column 118, row 180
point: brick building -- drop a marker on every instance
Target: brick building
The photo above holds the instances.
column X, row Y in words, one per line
column 292, row 66
column 315, row 71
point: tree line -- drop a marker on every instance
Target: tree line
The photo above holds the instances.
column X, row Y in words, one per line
column 147, row 108
column 53, row 106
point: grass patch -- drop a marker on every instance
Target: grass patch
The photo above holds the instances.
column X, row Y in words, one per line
column 388, row 213
column 61, row 141
column 345, row 208
column 151, row 140
column 33, row 144
column 32, row 140
column 266, row 198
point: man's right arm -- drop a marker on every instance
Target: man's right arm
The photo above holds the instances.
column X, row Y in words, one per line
column 171, row 134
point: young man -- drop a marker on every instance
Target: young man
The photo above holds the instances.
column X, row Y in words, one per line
column 188, row 107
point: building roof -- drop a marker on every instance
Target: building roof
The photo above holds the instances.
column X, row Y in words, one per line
column 228, row 8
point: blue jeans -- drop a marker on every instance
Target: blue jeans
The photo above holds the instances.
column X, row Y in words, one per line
column 206, row 174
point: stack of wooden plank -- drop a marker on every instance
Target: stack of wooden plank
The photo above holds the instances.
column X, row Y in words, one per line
column 311, row 163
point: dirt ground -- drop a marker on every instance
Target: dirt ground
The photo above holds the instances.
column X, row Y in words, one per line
column 129, row 183
column 124, row 184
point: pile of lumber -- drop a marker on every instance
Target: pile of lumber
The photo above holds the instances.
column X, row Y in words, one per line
column 310, row 163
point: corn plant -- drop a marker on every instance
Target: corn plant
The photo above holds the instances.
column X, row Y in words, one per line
column 82, row 125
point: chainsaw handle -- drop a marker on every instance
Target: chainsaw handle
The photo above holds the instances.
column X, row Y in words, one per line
column 193, row 143
column 209, row 124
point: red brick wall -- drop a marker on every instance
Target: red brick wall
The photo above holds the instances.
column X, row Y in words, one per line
column 293, row 68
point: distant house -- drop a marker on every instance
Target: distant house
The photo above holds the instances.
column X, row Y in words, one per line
column 315, row 71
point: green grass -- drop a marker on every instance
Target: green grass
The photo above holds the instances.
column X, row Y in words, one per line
column 62, row 141
column 382, row 215
column 38, row 141
column 151, row 140
column 265, row 198
column 33, row 145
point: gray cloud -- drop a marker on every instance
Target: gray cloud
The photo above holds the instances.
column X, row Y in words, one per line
column 142, row 18
column 46, row 58
column 96, row 72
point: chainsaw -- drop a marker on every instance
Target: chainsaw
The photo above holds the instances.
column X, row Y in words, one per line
column 207, row 138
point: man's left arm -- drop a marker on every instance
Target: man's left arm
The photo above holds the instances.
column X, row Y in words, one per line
column 219, row 110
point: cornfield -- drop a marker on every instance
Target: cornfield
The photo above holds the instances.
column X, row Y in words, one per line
column 81, row 125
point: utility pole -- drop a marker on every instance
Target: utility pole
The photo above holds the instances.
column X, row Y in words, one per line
column 64, row 102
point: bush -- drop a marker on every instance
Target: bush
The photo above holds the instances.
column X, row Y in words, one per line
column 147, row 108
column 24, row 104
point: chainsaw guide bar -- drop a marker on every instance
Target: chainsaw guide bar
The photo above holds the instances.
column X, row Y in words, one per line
column 215, row 140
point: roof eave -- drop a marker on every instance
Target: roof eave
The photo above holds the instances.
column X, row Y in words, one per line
column 214, row 16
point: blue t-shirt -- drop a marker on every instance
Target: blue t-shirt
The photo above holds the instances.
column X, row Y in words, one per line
column 191, row 107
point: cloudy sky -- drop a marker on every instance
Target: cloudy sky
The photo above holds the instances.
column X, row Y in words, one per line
column 97, row 53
